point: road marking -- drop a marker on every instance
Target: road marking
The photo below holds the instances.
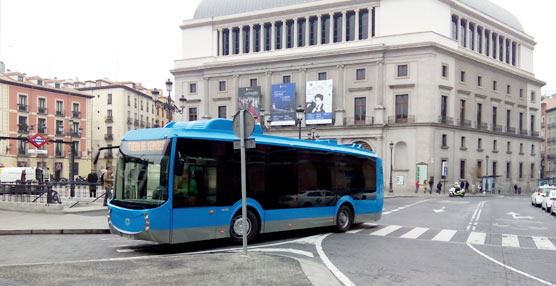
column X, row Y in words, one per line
column 362, row 227
column 387, row 230
column 510, row 240
column 415, row 233
column 404, row 207
column 476, row 215
column 339, row 275
column 290, row 250
column 543, row 243
column 445, row 235
column 124, row 250
column 517, row 216
column 440, row 210
column 476, row 238
column 509, row 267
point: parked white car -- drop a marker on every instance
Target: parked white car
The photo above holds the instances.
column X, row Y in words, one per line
column 548, row 202
column 541, row 192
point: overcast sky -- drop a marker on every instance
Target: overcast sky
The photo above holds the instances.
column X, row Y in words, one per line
column 135, row 40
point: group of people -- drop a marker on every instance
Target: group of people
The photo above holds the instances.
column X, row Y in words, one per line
column 106, row 179
column 427, row 186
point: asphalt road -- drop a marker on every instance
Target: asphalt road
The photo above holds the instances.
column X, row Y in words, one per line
column 418, row 241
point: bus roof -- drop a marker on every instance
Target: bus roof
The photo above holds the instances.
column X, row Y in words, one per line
column 221, row 130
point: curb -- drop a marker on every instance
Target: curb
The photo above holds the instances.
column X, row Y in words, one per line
column 54, row 231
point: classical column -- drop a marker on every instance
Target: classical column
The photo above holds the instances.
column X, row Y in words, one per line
column 458, row 31
column 241, row 43
column 272, row 36
column 251, row 38
column 295, row 32
column 356, row 25
column 261, row 37
column 220, row 42
column 370, row 25
column 380, row 114
column 319, row 29
column 307, row 31
column 206, row 98
column 230, row 45
column 483, row 42
column 284, row 33
column 344, row 26
column 340, row 96
column 331, row 41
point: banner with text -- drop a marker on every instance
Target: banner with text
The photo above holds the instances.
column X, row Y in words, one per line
column 283, row 104
column 318, row 102
column 249, row 98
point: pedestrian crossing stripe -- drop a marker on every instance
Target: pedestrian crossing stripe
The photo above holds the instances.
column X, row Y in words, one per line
column 449, row 235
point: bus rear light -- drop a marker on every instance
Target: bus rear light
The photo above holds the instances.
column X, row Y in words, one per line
column 108, row 215
column 289, row 225
column 222, row 231
column 147, row 223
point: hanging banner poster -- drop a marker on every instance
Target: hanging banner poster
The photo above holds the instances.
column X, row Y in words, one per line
column 283, row 104
column 318, row 108
column 250, row 99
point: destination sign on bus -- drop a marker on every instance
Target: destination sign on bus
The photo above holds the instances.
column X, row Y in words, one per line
column 145, row 146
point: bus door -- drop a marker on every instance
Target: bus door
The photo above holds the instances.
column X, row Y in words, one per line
column 194, row 200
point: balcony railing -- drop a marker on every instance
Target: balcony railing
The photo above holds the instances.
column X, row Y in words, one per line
column 482, row 125
column 76, row 114
column 41, row 130
column 142, row 123
column 464, row 123
column 523, row 132
column 59, row 113
column 74, row 134
column 551, row 125
column 129, row 120
column 401, row 120
column 136, row 122
column 497, row 128
column 108, row 136
column 510, row 130
column 23, row 128
column 535, row 133
column 42, row 110
column 109, row 119
column 59, row 132
column 446, row 120
column 551, row 157
column 23, row 107
column 366, row 120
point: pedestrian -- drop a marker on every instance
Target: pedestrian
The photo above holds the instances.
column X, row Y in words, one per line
column 480, row 187
column 108, row 184
column 438, row 187
column 417, row 186
column 466, row 186
column 92, row 179
column 515, row 189
column 23, row 176
column 425, row 185
column 431, row 185
column 46, row 175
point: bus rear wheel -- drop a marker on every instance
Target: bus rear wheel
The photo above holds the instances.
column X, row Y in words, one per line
column 236, row 227
column 344, row 219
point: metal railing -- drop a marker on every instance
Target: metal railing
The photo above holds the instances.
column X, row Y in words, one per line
column 446, row 120
column 482, row 125
column 23, row 128
column 510, row 130
column 464, row 123
column 523, row 132
column 109, row 119
column 23, row 107
column 59, row 113
column 42, row 110
column 76, row 114
column 367, row 120
column 535, row 133
column 497, row 128
column 401, row 120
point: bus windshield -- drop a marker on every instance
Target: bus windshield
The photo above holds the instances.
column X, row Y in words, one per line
column 142, row 174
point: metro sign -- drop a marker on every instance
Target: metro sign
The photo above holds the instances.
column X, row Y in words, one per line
column 37, row 140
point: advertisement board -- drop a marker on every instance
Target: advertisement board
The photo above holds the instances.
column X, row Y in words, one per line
column 282, row 111
column 318, row 102
column 249, row 98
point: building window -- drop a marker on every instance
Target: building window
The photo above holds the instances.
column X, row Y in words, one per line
column 363, row 24
column 322, row 76
column 532, row 171
column 514, row 47
column 253, row 82
column 222, row 112
column 500, row 49
column 301, row 24
column 226, row 42
column 41, row 125
column 313, row 24
column 235, row 41
column 278, row 35
column 192, row 88
column 487, row 43
column 444, row 108
column 494, row 146
column 141, row 105
column 59, row 108
column 289, row 34
column 520, row 170
column 128, row 100
column 520, row 148
column 462, row 111
column 246, row 39
column 508, row 119
column 267, row 36
column 509, row 147
column 360, row 109
column 360, row 74
column 494, row 169
column 494, row 121
column 222, row 85
column 402, row 71
column 22, row 103
column 59, row 127
column 508, row 89
column 520, row 122
column 454, row 27
column 521, row 93
column 479, row 115
column 532, row 96
column 350, row 26
column 532, row 123
column 472, row 36
column 286, row 79
column 192, row 114
column 135, row 102
column 59, row 149
column 479, row 81
column 42, row 106
column 462, row 146
column 109, row 98
column 532, row 149
column 508, row 169
column 462, row 76
column 401, row 108
column 494, row 44
column 480, row 144
column 337, row 27
column 22, row 126
column 494, row 85
column 480, row 40
column 445, row 71
column 257, row 38
column 462, row 169
column 444, row 141
column 463, row 37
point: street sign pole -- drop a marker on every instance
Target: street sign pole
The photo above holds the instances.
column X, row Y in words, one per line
column 243, row 180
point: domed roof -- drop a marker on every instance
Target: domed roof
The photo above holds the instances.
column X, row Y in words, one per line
column 216, row 8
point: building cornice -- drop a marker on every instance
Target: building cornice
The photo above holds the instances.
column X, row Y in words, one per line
column 114, row 87
column 43, row 88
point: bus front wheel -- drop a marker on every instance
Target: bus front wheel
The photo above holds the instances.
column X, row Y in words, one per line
column 236, row 227
column 344, row 219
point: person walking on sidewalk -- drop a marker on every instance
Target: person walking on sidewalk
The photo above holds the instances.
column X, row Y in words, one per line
column 108, row 184
column 438, row 187
column 515, row 189
column 431, row 185
column 417, row 186
column 92, row 179
column 425, row 185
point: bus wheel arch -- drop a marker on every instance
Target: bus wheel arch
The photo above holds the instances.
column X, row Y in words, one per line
column 254, row 220
column 345, row 217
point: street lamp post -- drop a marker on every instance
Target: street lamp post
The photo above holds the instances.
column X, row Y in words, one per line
column 487, row 184
column 168, row 105
column 73, row 132
column 390, row 190
column 299, row 118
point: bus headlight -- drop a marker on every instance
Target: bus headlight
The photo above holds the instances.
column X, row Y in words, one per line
column 147, row 223
column 108, row 216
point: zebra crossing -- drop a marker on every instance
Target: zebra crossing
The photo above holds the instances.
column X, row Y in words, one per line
column 462, row 236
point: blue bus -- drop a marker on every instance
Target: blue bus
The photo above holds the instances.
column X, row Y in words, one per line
column 182, row 183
